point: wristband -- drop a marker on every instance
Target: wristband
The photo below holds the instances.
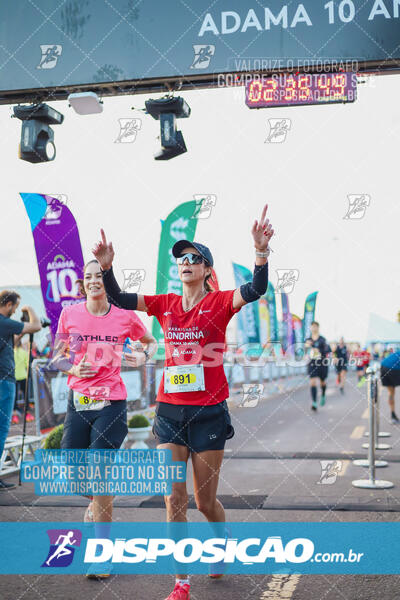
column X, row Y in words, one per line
column 263, row 254
column 147, row 355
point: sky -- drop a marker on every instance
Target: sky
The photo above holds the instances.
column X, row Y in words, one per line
column 330, row 152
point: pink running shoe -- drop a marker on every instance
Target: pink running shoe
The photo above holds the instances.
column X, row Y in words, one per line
column 180, row 592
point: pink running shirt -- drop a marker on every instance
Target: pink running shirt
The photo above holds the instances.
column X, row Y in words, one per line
column 102, row 337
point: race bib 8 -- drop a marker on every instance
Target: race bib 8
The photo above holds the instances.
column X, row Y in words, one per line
column 83, row 402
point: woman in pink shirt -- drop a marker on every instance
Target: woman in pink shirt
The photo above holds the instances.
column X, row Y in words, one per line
column 91, row 337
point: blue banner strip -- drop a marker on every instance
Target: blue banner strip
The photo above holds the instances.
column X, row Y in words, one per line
column 252, row 548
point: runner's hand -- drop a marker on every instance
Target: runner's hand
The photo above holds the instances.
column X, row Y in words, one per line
column 135, row 358
column 83, row 369
column 104, row 252
column 262, row 231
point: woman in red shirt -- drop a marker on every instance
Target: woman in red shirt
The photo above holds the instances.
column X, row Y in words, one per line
column 192, row 416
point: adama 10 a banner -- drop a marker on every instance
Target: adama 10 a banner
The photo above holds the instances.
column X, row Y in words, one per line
column 58, row 252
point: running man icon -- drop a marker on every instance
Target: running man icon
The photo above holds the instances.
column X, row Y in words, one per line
column 62, row 547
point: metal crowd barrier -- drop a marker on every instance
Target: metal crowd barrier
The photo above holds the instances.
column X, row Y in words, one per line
column 237, row 373
column 371, row 463
column 10, row 461
column 50, row 396
column 378, row 433
column 50, row 391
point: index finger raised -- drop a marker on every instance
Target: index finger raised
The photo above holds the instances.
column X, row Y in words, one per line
column 264, row 212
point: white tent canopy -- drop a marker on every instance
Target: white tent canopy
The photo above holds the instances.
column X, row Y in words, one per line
column 382, row 330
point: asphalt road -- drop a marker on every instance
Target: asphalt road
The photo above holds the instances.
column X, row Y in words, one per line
column 272, row 472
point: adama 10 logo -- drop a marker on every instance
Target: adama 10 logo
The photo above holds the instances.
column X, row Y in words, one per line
column 62, row 547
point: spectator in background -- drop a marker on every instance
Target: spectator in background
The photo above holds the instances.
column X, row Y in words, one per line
column 375, row 352
column 21, row 359
column 10, row 332
column 35, row 351
column 387, row 352
column 46, row 351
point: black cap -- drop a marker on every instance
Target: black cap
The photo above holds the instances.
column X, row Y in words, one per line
column 203, row 250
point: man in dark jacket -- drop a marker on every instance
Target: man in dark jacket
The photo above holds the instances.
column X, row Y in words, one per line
column 10, row 332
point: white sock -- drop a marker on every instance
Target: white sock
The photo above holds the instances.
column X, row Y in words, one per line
column 183, row 581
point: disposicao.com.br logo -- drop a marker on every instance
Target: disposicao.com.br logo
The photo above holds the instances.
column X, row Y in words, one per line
column 158, row 547
column 248, row 551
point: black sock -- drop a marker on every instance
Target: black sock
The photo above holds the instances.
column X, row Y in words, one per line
column 323, row 389
column 394, row 416
column 314, row 393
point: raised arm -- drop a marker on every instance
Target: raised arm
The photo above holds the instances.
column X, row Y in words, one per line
column 262, row 232
column 34, row 324
column 104, row 253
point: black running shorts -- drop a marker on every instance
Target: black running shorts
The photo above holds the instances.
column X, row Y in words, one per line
column 390, row 377
column 318, row 370
column 199, row 428
column 95, row 429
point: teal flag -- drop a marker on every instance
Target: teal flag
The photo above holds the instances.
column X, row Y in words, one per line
column 287, row 330
column 297, row 336
column 248, row 317
column 273, row 319
column 179, row 225
column 309, row 314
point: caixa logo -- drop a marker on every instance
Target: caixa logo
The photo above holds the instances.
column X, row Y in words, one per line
column 62, row 547
column 190, row 550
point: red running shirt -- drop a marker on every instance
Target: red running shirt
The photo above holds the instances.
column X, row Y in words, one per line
column 358, row 355
column 195, row 337
column 366, row 357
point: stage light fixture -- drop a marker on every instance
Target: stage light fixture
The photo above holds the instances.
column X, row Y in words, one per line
column 37, row 138
column 167, row 110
